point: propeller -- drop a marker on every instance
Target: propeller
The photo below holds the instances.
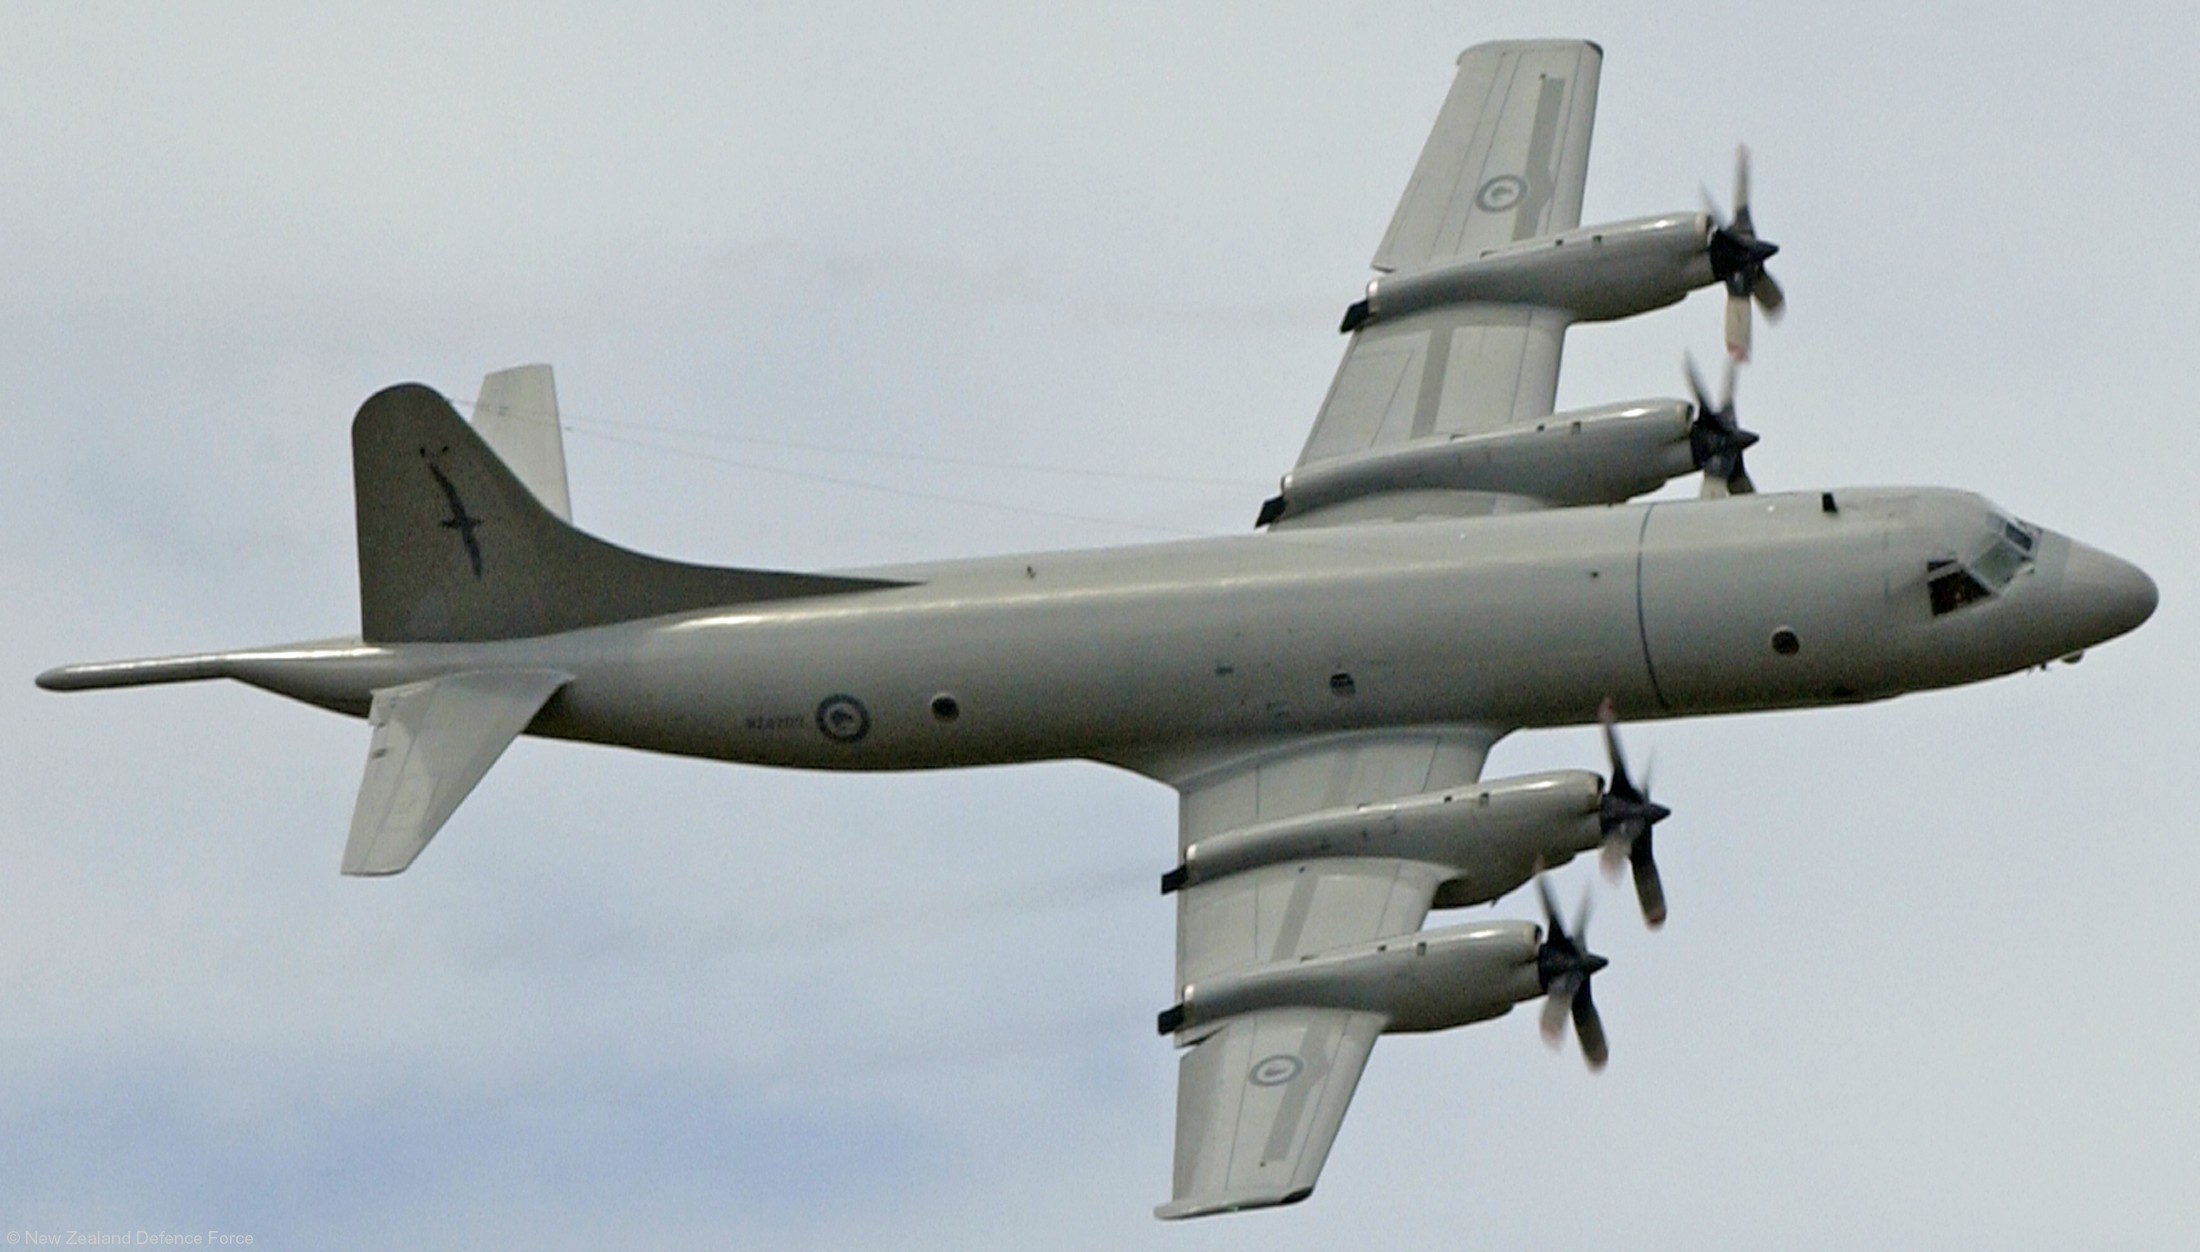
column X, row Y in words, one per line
column 1564, row 965
column 1738, row 259
column 1717, row 438
column 1627, row 816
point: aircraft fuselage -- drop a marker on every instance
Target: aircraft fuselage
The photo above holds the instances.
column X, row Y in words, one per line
column 1133, row 655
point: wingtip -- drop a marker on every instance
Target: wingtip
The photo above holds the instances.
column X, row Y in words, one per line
column 1238, row 1202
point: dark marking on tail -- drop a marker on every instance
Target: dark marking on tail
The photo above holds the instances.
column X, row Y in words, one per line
column 459, row 520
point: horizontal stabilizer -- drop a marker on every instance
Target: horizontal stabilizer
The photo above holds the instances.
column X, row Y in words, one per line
column 433, row 741
column 517, row 416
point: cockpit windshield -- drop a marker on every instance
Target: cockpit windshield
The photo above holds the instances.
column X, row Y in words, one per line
column 1955, row 582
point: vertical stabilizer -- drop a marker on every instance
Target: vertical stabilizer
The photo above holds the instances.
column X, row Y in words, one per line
column 517, row 416
column 453, row 547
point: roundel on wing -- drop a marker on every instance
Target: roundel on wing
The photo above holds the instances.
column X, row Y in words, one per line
column 843, row 719
column 1274, row 1071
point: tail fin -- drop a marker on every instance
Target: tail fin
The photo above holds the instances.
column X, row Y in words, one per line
column 453, row 547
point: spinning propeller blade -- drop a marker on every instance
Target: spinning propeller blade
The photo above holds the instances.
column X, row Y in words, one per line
column 1738, row 259
column 1627, row 815
column 1565, row 964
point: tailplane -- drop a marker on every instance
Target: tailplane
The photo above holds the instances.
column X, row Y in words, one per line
column 453, row 547
column 517, row 416
column 433, row 740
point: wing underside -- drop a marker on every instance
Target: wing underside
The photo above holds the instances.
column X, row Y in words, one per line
column 1260, row 1095
column 1443, row 373
column 1262, row 1092
column 1507, row 158
column 1258, row 1103
column 1506, row 161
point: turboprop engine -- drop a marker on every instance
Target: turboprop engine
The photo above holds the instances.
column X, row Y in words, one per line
column 1596, row 274
column 1603, row 273
column 1430, row 980
column 1600, row 455
column 1492, row 836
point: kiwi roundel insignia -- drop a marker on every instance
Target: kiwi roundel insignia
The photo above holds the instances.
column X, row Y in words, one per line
column 1501, row 193
column 843, row 719
column 1274, row 1071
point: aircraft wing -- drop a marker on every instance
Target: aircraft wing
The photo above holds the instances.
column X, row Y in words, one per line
column 1506, row 161
column 1446, row 372
column 1507, row 158
column 1260, row 1095
column 1258, row 1103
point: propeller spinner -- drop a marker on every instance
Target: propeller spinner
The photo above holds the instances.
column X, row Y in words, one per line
column 1738, row 259
column 1717, row 438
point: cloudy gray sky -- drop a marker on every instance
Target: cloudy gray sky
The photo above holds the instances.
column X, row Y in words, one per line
column 1015, row 279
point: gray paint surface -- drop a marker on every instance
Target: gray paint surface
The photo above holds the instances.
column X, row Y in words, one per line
column 187, row 971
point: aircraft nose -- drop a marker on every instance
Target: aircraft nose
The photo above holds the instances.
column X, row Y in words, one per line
column 2108, row 595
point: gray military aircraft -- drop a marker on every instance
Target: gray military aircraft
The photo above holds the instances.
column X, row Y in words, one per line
column 1450, row 561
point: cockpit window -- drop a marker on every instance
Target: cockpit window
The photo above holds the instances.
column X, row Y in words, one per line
column 2010, row 551
column 1955, row 583
column 2000, row 563
column 1952, row 587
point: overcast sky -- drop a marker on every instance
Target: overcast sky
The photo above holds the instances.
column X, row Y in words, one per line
column 1018, row 280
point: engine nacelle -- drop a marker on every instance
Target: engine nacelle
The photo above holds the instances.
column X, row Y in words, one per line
column 1600, row 455
column 1595, row 273
column 1491, row 836
column 1432, row 980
